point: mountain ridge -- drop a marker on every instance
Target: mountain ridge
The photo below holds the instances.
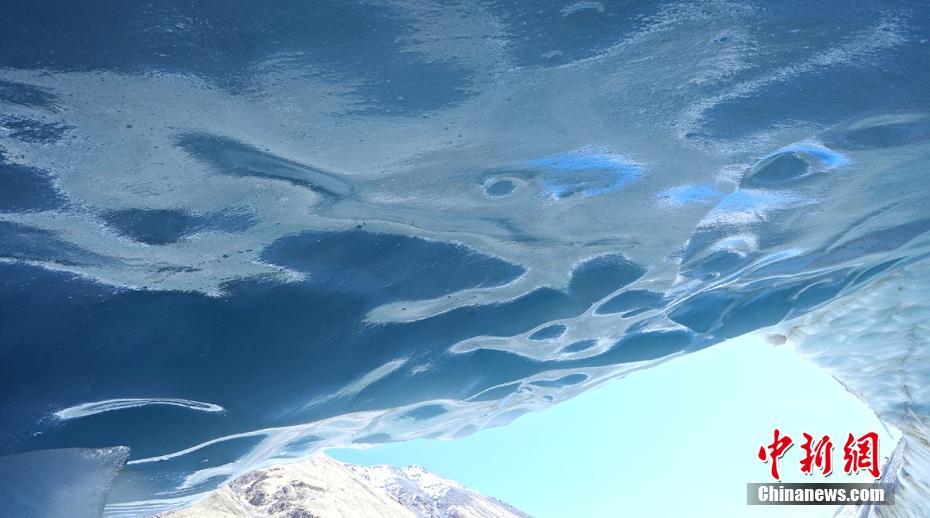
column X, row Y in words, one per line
column 322, row 487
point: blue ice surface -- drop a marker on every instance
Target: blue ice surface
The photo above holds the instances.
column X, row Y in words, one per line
column 359, row 186
column 689, row 194
column 27, row 189
column 33, row 131
column 499, row 188
column 793, row 165
column 825, row 155
column 27, row 95
column 587, row 172
column 72, row 482
column 548, row 332
column 579, row 346
column 746, row 199
column 165, row 226
column 630, row 301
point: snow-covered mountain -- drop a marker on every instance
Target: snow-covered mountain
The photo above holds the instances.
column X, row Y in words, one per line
column 429, row 495
column 324, row 487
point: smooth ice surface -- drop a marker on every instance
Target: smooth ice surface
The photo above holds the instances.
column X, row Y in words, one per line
column 355, row 222
column 73, row 482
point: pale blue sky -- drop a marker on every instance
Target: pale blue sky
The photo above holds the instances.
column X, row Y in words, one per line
column 676, row 440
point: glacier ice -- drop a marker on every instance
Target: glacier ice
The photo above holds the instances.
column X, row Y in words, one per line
column 232, row 235
column 875, row 344
column 59, row 482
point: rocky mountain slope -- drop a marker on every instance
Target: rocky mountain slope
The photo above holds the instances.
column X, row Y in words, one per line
column 323, row 487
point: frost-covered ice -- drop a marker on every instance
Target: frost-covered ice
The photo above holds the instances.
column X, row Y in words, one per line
column 876, row 344
column 233, row 235
column 86, row 409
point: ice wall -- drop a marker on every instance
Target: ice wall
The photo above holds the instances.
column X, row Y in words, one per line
column 877, row 345
column 71, row 482
column 233, row 234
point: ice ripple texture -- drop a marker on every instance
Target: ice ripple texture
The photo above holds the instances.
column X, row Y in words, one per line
column 233, row 234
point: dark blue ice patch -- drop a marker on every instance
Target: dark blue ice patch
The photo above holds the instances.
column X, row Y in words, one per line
column 425, row 412
column 596, row 278
column 151, row 226
column 296, row 339
column 564, row 381
column 725, row 313
column 231, row 157
column 881, row 136
column 387, row 267
column 777, row 169
column 499, row 188
column 826, row 157
column 756, row 311
column 33, row 131
column 792, row 163
column 702, row 312
column 27, row 95
column 822, row 96
column 882, row 240
column 714, row 265
column 816, row 293
column 866, row 274
column 21, row 242
column 548, row 332
column 730, row 312
column 638, row 347
column 630, row 300
column 579, row 346
column 591, row 281
column 233, row 45
column 634, row 312
column 782, row 289
column 509, row 318
column 552, row 33
column 166, row 226
column 26, row 189
column 301, row 445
